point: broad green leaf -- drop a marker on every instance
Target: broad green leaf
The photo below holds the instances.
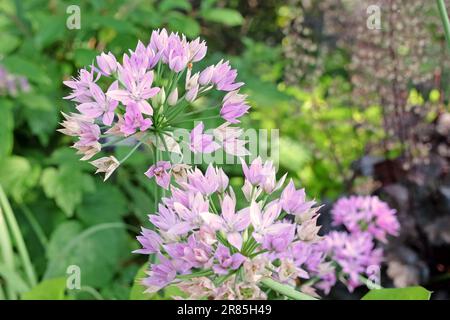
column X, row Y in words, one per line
column 31, row 70
column 95, row 21
column 41, row 115
column 410, row 293
column 67, row 156
column 50, row 289
column 107, row 204
column 50, row 30
column 97, row 251
column 17, row 176
column 228, row 17
column 66, row 185
column 84, row 57
column 167, row 5
column 181, row 23
column 64, row 233
column 9, row 43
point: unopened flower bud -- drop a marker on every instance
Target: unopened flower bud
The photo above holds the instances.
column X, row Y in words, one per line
column 173, row 97
column 192, row 94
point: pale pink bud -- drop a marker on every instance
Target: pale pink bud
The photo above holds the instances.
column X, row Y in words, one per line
column 173, row 97
column 206, row 75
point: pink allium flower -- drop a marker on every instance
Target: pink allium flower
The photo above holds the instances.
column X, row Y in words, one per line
column 134, row 120
column 354, row 253
column 227, row 261
column 234, row 106
column 223, row 77
column 160, row 274
column 200, row 142
column 294, row 201
column 159, row 171
column 228, row 137
column 150, row 241
column 366, row 214
column 145, row 97
column 138, row 90
column 101, row 106
column 107, row 63
column 202, row 232
column 81, row 86
column 230, row 222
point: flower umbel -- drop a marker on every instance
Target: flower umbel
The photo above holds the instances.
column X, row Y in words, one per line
column 202, row 238
column 148, row 94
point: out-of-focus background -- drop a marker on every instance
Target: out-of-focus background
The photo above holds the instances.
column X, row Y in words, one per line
column 362, row 108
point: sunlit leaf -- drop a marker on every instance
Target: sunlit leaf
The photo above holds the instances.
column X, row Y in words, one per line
column 51, row 289
column 66, row 185
column 410, row 293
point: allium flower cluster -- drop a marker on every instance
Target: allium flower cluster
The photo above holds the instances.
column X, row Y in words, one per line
column 353, row 255
column 366, row 214
column 145, row 98
column 210, row 247
column 11, row 84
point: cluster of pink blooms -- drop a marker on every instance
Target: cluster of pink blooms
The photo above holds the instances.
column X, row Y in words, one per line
column 11, row 84
column 210, row 248
column 355, row 253
column 145, row 97
column 360, row 214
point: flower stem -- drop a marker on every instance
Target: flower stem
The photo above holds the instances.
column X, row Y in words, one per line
column 15, row 230
column 195, row 275
column 445, row 21
column 132, row 151
column 112, row 142
column 286, row 290
column 197, row 119
column 155, row 160
column 369, row 283
column 34, row 225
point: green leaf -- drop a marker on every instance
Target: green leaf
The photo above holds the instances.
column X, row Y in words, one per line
column 6, row 132
column 51, row 289
column 84, row 57
column 27, row 68
column 65, row 232
column 97, row 251
column 41, row 115
column 181, row 23
column 410, row 293
column 66, row 185
column 8, row 43
column 50, row 30
column 107, row 204
column 228, row 17
column 17, row 176
column 168, row 5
